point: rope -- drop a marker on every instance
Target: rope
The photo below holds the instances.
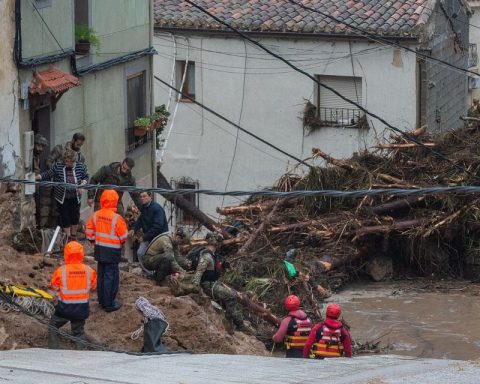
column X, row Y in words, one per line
column 149, row 311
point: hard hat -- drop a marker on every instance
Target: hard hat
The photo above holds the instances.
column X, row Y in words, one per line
column 334, row 311
column 40, row 139
column 292, row 303
column 214, row 238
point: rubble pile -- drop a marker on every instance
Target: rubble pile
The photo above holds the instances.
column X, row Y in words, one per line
column 337, row 239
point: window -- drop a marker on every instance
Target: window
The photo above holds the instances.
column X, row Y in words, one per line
column 472, row 55
column 189, row 82
column 332, row 110
column 43, row 3
column 183, row 217
column 136, row 107
column 81, row 12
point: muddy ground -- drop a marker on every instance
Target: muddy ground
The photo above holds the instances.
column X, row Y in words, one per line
column 194, row 323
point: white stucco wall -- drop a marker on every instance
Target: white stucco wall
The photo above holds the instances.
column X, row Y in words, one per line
column 9, row 132
column 474, row 33
column 202, row 147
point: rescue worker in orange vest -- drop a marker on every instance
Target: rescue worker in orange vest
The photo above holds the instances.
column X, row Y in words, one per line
column 294, row 329
column 329, row 338
column 108, row 231
column 73, row 282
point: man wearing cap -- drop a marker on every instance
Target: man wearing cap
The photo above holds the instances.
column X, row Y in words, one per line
column 42, row 195
column 162, row 257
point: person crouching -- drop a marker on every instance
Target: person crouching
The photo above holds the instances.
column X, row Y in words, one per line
column 73, row 281
column 329, row 338
column 294, row 328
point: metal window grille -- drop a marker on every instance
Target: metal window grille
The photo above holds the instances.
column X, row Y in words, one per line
column 472, row 55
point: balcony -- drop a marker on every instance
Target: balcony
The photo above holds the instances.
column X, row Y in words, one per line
column 342, row 117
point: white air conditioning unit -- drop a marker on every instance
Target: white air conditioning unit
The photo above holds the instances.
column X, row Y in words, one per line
column 28, row 149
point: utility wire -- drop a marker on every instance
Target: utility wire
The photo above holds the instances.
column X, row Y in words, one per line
column 463, row 189
column 234, row 124
column 46, row 25
column 363, row 109
column 379, row 39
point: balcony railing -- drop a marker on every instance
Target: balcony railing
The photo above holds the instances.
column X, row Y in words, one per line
column 472, row 55
column 136, row 141
column 342, row 117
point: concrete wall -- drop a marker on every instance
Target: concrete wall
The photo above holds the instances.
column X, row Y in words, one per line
column 474, row 35
column 266, row 97
column 9, row 134
column 124, row 30
column 37, row 41
column 446, row 89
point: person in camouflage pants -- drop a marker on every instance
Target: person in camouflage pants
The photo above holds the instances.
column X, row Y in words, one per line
column 206, row 276
column 162, row 256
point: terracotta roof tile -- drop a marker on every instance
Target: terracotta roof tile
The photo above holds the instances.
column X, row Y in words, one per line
column 382, row 17
column 52, row 80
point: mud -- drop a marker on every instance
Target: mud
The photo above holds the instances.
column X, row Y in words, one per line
column 417, row 318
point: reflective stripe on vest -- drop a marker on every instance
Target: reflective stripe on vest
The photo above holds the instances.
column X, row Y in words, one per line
column 297, row 338
column 101, row 238
column 329, row 344
column 64, row 291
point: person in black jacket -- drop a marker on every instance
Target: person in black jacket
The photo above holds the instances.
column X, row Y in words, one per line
column 70, row 171
column 152, row 222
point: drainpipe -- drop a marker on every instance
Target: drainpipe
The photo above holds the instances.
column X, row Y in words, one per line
column 152, row 99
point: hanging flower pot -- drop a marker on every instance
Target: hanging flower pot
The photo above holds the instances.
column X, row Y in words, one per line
column 141, row 126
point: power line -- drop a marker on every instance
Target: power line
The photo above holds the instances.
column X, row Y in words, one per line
column 463, row 189
column 379, row 39
column 363, row 109
column 234, row 124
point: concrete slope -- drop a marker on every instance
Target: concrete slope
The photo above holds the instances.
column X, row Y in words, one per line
column 54, row 367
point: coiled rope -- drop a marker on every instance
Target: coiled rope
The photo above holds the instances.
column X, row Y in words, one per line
column 150, row 312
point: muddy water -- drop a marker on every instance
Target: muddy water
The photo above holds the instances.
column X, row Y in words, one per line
column 417, row 322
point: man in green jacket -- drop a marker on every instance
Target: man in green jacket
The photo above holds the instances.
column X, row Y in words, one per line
column 114, row 174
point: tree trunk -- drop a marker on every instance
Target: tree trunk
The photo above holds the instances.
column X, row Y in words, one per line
column 188, row 207
column 258, row 207
column 396, row 226
column 397, row 205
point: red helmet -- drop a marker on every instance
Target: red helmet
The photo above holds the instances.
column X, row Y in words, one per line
column 292, row 303
column 334, row 311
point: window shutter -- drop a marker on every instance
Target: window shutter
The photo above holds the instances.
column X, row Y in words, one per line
column 350, row 87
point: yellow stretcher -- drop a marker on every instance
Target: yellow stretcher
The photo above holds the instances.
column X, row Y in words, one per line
column 24, row 291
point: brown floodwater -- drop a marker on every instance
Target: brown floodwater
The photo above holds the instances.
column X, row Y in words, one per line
column 441, row 321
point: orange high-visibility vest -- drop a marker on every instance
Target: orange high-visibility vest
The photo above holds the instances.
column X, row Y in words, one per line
column 76, row 282
column 107, row 229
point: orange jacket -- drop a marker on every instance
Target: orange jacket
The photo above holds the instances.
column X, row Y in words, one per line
column 107, row 229
column 74, row 280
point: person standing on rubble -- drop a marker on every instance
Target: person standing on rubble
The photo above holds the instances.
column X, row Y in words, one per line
column 70, row 171
column 75, row 145
column 108, row 231
column 114, row 174
column 329, row 338
column 162, row 257
column 206, row 275
column 73, row 282
column 294, row 328
column 152, row 222
column 38, row 166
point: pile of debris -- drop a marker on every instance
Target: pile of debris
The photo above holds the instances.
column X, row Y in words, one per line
column 337, row 239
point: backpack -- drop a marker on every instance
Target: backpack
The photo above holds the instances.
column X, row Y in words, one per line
column 194, row 257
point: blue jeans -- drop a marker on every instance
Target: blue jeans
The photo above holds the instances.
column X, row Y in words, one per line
column 108, row 281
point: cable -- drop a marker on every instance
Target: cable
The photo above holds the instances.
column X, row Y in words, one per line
column 464, row 189
column 239, row 121
column 234, row 124
column 46, row 25
column 187, row 105
column 363, row 109
column 374, row 37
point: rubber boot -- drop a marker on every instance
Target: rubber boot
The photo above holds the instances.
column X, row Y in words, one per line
column 53, row 340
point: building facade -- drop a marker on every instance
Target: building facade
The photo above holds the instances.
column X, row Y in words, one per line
column 59, row 88
column 218, row 68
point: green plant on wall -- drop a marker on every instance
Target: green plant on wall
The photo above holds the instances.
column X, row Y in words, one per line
column 83, row 33
column 143, row 122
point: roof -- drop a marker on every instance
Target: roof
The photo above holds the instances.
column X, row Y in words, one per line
column 52, row 80
column 381, row 17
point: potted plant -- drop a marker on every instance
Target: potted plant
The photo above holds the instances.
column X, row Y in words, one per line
column 84, row 38
column 160, row 118
column 141, row 125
